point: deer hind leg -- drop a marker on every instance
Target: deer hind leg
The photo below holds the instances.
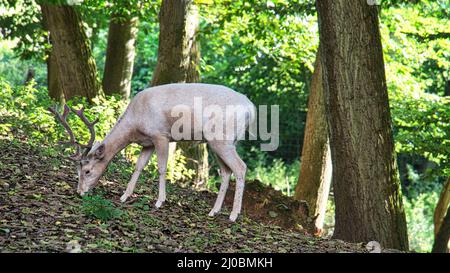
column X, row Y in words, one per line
column 142, row 161
column 227, row 152
column 225, row 173
column 162, row 152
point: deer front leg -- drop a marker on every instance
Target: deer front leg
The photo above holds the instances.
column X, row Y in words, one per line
column 162, row 152
column 225, row 173
column 142, row 161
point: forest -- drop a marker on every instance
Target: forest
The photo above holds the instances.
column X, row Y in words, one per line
column 362, row 123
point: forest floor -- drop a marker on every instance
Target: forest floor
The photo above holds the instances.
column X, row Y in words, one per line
column 41, row 212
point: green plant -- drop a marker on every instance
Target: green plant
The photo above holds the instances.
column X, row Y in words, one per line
column 420, row 199
column 98, row 207
column 15, row 69
column 276, row 172
column 419, row 216
column 177, row 169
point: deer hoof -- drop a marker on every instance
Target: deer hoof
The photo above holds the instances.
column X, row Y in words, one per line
column 124, row 198
column 159, row 204
column 233, row 216
column 212, row 213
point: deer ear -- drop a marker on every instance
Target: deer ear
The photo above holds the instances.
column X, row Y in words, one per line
column 100, row 151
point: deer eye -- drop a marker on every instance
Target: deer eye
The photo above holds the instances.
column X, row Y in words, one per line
column 87, row 172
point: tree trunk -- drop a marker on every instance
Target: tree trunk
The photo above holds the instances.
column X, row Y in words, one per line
column 447, row 88
column 77, row 72
column 367, row 191
column 441, row 241
column 120, row 56
column 441, row 206
column 178, row 20
column 54, row 88
column 439, row 218
column 314, row 180
column 178, row 61
column 193, row 72
column 29, row 76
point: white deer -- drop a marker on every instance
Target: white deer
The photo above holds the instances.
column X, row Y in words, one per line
column 149, row 121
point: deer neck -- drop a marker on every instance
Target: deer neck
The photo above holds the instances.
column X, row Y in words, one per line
column 118, row 138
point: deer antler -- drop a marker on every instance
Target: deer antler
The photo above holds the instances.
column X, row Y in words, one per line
column 72, row 141
column 90, row 125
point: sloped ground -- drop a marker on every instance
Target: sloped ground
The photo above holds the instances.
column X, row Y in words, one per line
column 41, row 212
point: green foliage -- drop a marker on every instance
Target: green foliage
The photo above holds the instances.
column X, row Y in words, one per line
column 22, row 112
column 421, row 127
column 419, row 202
column 177, row 168
column 280, row 175
column 122, row 9
column 419, row 216
column 274, row 172
column 146, row 54
column 417, row 69
column 24, row 108
column 15, row 69
column 142, row 203
column 22, row 21
column 266, row 51
column 98, row 207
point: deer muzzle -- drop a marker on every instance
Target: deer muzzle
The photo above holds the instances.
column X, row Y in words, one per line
column 80, row 190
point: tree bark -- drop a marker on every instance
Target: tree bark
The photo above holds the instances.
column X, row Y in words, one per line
column 447, row 88
column 314, row 181
column 54, row 88
column 120, row 56
column 77, row 72
column 441, row 241
column 177, row 42
column 439, row 217
column 441, row 206
column 178, row 62
column 367, row 191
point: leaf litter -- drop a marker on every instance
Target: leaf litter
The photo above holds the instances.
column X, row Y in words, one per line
column 41, row 212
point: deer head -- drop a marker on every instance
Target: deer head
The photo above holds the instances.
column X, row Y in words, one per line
column 90, row 162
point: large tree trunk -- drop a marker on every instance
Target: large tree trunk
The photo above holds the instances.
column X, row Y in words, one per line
column 441, row 241
column 178, row 61
column 177, row 49
column 441, row 206
column 314, row 180
column 440, row 230
column 54, row 88
column 366, row 183
column 77, row 72
column 120, row 56
column 53, row 85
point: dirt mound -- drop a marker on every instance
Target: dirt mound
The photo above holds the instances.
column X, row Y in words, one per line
column 266, row 205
